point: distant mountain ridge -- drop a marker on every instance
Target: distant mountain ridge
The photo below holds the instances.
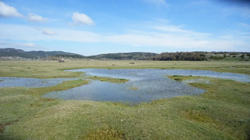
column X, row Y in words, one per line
column 12, row 52
column 125, row 56
column 18, row 54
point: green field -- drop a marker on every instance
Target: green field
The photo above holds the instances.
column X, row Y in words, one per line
column 222, row 112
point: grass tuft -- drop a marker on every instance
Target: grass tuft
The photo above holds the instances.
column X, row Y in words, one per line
column 178, row 79
column 105, row 134
column 63, row 86
column 107, row 79
column 133, row 88
column 197, row 116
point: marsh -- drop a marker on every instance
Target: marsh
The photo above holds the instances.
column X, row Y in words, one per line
column 152, row 84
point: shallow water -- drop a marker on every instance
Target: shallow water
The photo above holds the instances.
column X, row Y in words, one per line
column 30, row 82
column 197, row 81
column 152, row 84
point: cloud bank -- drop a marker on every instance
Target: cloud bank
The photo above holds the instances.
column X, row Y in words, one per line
column 157, row 2
column 81, row 19
column 28, row 45
column 178, row 40
column 48, row 32
column 36, row 18
column 8, row 11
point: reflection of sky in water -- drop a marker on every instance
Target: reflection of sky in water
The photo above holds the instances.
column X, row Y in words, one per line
column 30, row 82
column 152, row 84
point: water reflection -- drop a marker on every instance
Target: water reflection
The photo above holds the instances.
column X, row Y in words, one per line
column 152, row 85
column 30, row 82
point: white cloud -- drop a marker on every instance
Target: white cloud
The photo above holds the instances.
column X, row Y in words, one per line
column 227, row 36
column 157, row 2
column 28, row 33
column 246, row 12
column 199, row 2
column 178, row 40
column 4, row 44
column 48, row 32
column 158, row 39
column 81, row 19
column 171, row 28
column 37, row 28
column 245, row 25
column 36, row 18
column 8, row 11
column 26, row 44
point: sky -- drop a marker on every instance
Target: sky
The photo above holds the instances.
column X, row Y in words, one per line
column 91, row 27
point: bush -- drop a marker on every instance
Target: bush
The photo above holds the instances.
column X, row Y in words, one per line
column 178, row 79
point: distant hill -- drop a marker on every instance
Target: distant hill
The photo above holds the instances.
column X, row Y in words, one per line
column 201, row 56
column 166, row 56
column 125, row 56
column 44, row 54
column 11, row 52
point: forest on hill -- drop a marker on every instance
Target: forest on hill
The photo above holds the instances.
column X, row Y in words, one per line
column 201, row 56
column 12, row 52
column 17, row 54
column 125, row 56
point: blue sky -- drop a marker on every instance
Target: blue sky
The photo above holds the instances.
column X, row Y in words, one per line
column 90, row 27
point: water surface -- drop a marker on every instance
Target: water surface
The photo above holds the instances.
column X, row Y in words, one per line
column 30, row 82
column 152, row 84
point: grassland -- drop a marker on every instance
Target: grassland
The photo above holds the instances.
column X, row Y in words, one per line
column 133, row 88
column 183, row 78
column 107, row 79
column 53, row 69
column 222, row 112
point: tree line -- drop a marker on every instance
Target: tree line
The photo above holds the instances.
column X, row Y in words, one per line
column 180, row 56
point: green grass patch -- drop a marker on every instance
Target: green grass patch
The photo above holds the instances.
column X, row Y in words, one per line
column 63, row 86
column 185, row 78
column 107, row 79
column 133, row 88
column 133, row 73
column 176, row 77
column 197, row 116
column 53, row 69
column 105, row 134
column 222, row 112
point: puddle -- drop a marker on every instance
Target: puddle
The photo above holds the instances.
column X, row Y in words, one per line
column 30, row 82
column 197, row 81
column 152, row 84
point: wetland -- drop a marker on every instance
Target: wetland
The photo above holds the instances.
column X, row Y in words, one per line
column 151, row 84
column 219, row 109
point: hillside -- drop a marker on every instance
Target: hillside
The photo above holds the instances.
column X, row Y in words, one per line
column 11, row 52
column 166, row 56
column 125, row 56
column 201, row 56
column 44, row 54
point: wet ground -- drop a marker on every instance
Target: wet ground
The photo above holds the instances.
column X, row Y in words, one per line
column 30, row 82
column 144, row 85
